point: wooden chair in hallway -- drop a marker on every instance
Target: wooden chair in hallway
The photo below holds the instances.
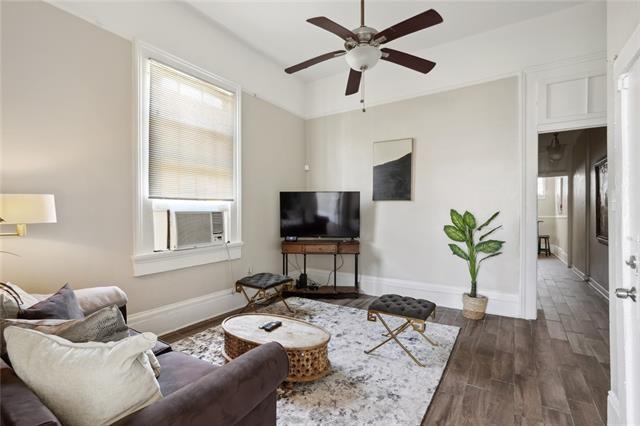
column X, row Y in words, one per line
column 544, row 246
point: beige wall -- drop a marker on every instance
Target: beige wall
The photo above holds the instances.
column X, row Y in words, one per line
column 466, row 156
column 67, row 130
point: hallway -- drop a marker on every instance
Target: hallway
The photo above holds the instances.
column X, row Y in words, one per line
column 577, row 320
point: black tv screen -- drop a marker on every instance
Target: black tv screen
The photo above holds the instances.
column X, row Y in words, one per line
column 320, row 214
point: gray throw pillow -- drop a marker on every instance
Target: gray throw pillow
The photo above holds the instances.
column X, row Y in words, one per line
column 61, row 305
column 105, row 325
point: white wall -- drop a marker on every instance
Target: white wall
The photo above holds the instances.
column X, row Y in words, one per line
column 67, row 130
column 572, row 32
column 184, row 32
column 466, row 156
column 555, row 225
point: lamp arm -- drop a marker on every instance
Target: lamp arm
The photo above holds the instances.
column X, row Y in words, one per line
column 21, row 231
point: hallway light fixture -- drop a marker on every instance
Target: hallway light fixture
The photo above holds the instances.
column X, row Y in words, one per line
column 555, row 151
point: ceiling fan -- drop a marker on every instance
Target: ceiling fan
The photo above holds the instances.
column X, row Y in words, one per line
column 362, row 46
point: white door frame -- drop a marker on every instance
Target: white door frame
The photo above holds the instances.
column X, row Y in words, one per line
column 617, row 406
column 532, row 79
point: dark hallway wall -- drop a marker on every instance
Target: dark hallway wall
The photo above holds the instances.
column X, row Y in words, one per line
column 598, row 252
column 589, row 256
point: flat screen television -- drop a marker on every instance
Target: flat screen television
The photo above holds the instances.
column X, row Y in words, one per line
column 320, row 214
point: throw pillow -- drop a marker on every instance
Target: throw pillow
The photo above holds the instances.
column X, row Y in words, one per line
column 85, row 383
column 61, row 305
column 105, row 325
column 12, row 299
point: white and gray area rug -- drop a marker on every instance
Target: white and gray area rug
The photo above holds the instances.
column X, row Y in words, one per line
column 384, row 388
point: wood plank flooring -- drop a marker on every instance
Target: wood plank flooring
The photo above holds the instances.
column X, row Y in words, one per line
column 504, row 371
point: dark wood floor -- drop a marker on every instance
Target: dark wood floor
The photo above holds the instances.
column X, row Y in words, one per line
column 504, row 371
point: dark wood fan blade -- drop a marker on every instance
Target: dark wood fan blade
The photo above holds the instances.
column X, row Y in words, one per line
column 406, row 60
column 333, row 27
column 353, row 84
column 313, row 61
column 411, row 25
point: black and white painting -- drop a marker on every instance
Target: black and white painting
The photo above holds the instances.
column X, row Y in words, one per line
column 392, row 165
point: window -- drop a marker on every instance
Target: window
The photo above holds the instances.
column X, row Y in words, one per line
column 191, row 131
column 542, row 188
column 562, row 189
column 188, row 156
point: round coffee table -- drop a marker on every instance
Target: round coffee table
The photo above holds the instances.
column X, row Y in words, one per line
column 305, row 343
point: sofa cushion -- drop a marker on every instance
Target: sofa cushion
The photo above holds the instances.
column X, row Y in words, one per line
column 61, row 305
column 94, row 298
column 179, row 370
column 20, row 406
column 85, row 383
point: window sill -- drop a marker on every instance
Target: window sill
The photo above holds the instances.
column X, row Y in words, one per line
column 153, row 263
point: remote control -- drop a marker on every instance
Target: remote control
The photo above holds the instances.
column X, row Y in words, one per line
column 270, row 326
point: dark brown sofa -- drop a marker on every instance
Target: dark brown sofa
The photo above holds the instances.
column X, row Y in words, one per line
column 242, row 392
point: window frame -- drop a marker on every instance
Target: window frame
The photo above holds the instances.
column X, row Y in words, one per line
column 145, row 260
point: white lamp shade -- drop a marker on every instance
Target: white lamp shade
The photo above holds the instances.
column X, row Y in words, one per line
column 27, row 208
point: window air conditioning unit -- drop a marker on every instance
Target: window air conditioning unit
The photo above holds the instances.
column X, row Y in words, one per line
column 181, row 230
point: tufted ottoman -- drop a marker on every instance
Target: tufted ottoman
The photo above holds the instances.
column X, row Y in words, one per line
column 263, row 283
column 414, row 311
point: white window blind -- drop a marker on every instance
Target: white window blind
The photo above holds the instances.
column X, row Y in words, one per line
column 191, row 131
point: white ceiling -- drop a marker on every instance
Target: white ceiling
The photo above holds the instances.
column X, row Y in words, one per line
column 279, row 29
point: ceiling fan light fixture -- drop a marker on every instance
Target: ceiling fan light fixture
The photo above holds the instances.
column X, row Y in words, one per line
column 363, row 57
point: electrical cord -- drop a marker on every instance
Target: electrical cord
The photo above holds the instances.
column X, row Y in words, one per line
column 230, row 269
column 337, row 269
column 295, row 265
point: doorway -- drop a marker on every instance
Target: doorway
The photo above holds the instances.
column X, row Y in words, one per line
column 572, row 264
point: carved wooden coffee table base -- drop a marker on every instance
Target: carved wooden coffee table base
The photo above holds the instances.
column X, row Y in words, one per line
column 305, row 343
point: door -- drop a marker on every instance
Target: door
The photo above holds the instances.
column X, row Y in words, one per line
column 624, row 399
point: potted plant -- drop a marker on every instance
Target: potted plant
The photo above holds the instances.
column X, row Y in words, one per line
column 463, row 230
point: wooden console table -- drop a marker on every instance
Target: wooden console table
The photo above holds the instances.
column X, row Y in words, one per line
column 326, row 247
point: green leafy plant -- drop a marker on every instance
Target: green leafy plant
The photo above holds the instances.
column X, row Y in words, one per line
column 463, row 230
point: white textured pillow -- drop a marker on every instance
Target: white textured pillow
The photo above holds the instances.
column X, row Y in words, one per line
column 85, row 383
column 9, row 307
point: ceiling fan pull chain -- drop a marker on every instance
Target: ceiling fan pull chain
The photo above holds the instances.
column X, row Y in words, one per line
column 364, row 108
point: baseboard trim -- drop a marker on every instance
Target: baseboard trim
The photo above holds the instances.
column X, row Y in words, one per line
column 560, row 253
column 451, row 297
column 172, row 317
column 613, row 409
column 579, row 273
column 599, row 288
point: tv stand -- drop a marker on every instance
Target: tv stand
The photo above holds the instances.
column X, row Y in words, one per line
column 322, row 247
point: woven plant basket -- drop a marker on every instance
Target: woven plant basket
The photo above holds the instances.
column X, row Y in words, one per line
column 474, row 307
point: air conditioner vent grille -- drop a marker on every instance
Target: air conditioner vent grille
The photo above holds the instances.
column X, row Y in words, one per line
column 217, row 222
column 194, row 228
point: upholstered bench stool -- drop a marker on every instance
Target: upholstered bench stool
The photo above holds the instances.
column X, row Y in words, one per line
column 414, row 311
column 263, row 283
